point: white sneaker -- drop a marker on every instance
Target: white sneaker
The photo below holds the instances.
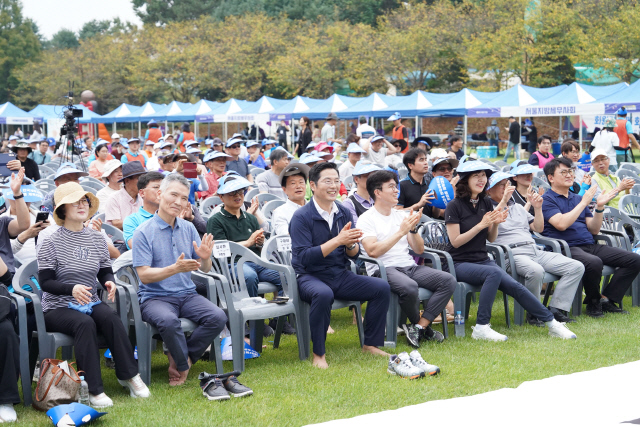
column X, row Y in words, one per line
column 137, row 387
column 560, row 330
column 419, row 362
column 484, row 332
column 401, row 365
column 7, row 414
column 100, row 401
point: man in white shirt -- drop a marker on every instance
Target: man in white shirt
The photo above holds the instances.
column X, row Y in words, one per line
column 606, row 139
column 377, row 148
column 293, row 179
column 388, row 233
column 113, row 175
column 354, row 154
column 364, row 130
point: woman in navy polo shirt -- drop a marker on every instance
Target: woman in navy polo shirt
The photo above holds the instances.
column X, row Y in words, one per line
column 471, row 221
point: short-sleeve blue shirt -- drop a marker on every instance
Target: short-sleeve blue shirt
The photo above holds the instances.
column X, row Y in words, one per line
column 132, row 222
column 577, row 234
column 158, row 246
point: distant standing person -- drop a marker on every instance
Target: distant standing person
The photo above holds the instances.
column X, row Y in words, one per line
column 531, row 131
column 328, row 133
column 456, row 146
column 493, row 135
column 399, row 130
column 514, row 139
column 185, row 136
column 542, row 156
column 316, row 133
column 306, row 136
column 282, row 134
column 364, row 130
column 625, row 134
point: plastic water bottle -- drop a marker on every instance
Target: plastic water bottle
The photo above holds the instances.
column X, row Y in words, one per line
column 458, row 321
column 84, row 392
column 36, row 373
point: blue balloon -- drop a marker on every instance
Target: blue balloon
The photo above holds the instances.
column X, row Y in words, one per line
column 443, row 191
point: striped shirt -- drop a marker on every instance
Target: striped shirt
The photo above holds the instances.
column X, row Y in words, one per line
column 76, row 257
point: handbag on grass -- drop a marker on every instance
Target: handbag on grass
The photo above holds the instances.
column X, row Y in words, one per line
column 58, row 384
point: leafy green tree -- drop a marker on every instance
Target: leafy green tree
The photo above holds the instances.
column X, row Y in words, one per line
column 101, row 28
column 64, row 39
column 19, row 44
column 163, row 11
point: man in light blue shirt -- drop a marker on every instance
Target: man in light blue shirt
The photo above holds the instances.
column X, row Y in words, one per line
column 148, row 186
column 41, row 155
column 167, row 249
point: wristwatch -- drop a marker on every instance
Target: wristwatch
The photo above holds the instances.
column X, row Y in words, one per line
column 352, row 247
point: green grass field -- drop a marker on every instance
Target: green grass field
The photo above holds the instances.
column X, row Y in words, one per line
column 290, row 392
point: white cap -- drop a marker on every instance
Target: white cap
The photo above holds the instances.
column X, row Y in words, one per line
column 438, row 153
column 598, row 152
column 115, row 136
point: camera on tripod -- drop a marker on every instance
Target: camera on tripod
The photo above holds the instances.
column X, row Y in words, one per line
column 70, row 114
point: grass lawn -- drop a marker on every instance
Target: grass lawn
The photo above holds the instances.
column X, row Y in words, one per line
column 290, row 392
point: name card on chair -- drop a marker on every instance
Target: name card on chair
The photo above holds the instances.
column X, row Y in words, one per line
column 221, row 250
column 284, row 244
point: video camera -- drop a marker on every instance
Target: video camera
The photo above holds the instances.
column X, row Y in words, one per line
column 70, row 114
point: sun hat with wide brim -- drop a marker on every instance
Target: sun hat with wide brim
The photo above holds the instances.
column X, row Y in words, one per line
column 525, row 169
column 472, row 166
column 111, row 166
column 498, row 177
column 21, row 144
column 71, row 192
column 130, row 169
column 230, row 185
column 403, row 143
column 294, row 169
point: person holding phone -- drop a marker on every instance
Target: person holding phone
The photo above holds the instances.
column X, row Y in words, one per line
column 10, row 227
column 194, row 172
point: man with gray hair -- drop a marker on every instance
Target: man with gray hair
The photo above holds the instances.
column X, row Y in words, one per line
column 167, row 249
column 269, row 181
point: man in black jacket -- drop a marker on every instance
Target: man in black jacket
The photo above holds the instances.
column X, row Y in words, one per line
column 514, row 138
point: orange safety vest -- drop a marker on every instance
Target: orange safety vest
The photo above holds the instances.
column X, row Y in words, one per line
column 138, row 158
column 186, row 136
column 398, row 133
column 621, row 130
column 155, row 134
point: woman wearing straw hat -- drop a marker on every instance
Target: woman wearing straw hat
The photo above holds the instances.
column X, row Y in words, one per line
column 69, row 262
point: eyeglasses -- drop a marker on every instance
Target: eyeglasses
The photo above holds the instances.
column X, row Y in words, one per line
column 236, row 193
column 397, row 145
column 392, row 187
column 567, row 172
column 444, row 169
column 233, row 147
column 331, row 182
column 84, row 201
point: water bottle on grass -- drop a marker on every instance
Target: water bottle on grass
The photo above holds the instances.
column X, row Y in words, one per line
column 458, row 321
column 84, row 392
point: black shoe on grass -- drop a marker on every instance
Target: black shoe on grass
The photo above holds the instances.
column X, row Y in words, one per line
column 413, row 335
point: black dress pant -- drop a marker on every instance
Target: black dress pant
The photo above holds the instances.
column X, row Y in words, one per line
column 595, row 257
column 9, row 363
column 84, row 329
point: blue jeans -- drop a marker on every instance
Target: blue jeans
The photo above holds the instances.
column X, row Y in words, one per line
column 492, row 278
column 515, row 148
column 254, row 273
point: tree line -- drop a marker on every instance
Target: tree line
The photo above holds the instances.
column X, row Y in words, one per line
column 440, row 46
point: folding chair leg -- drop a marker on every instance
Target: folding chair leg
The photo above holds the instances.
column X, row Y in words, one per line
column 635, row 292
column 67, row 353
column 144, row 339
column 506, row 309
column 216, row 353
column 256, row 330
column 576, row 308
column 460, row 301
column 445, row 324
column 392, row 322
column 278, row 331
column 358, row 310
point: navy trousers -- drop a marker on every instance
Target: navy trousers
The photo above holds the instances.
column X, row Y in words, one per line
column 492, row 278
column 347, row 286
column 164, row 314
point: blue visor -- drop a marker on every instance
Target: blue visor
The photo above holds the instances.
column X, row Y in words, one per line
column 497, row 177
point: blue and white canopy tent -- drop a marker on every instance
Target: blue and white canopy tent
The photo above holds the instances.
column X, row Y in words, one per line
column 519, row 95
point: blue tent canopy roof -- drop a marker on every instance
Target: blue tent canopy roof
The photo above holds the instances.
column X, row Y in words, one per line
column 12, row 115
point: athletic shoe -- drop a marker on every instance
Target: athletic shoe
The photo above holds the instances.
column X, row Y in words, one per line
column 484, row 332
column 109, row 363
column 137, row 387
column 401, row 365
column 418, row 362
column 560, row 330
column 561, row 315
column 100, row 401
column 413, row 335
column 594, row 309
column 534, row 321
column 212, row 387
column 7, row 414
column 428, row 334
column 233, row 386
column 609, row 306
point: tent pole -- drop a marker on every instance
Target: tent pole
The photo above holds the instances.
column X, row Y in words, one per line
column 225, row 131
column 208, row 129
column 195, row 130
column 519, row 140
column 580, row 131
column 464, row 141
column 415, row 133
column 139, row 129
column 559, row 128
column 166, row 127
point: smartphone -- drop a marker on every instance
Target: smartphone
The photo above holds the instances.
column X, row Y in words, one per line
column 190, row 170
column 42, row 216
column 279, row 300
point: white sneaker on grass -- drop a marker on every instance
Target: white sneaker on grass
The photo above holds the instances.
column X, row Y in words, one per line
column 401, row 365
column 7, row 414
column 419, row 362
column 484, row 332
column 137, row 387
column 100, row 401
column 560, row 330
